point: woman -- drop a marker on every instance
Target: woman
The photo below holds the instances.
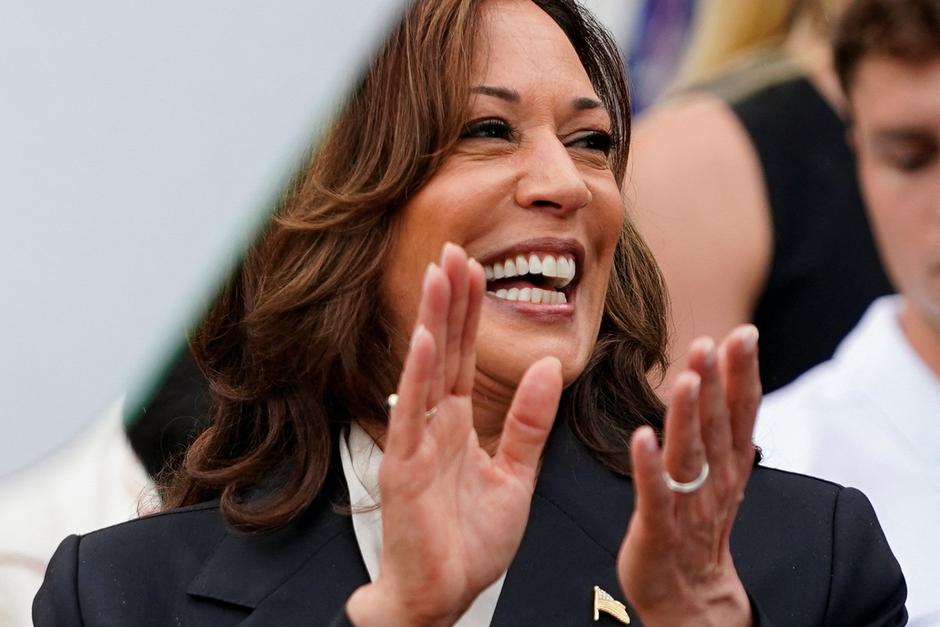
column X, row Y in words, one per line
column 514, row 153
column 770, row 227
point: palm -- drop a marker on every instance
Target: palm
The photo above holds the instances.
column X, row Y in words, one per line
column 675, row 563
column 452, row 515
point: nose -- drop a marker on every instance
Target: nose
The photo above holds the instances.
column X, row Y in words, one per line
column 550, row 179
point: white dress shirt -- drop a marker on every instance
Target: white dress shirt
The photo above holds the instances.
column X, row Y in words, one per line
column 870, row 418
column 361, row 458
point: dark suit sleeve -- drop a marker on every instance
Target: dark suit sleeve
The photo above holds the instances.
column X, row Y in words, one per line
column 867, row 585
column 56, row 604
column 342, row 620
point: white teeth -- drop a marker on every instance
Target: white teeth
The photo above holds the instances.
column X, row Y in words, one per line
column 531, row 295
column 535, row 265
column 561, row 269
column 549, row 267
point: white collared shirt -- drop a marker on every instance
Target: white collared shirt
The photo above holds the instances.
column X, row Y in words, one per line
column 361, row 458
column 870, row 418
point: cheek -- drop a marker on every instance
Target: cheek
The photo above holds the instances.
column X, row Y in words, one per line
column 893, row 203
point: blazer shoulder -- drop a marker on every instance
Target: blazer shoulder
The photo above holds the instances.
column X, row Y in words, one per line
column 151, row 556
column 827, row 534
column 789, row 483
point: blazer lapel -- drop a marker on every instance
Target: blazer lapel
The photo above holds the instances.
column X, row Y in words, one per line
column 578, row 519
column 302, row 574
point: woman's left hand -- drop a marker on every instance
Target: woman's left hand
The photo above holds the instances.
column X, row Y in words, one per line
column 675, row 563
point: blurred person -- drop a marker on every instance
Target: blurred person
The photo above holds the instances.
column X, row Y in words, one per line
column 869, row 417
column 93, row 481
column 104, row 476
column 744, row 187
column 516, row 473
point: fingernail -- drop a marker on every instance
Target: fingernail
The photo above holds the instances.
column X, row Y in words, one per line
column 427, row 276
column 749, row 337
column 695, row 386
column 448, row 247
column 707, row 346
column 419, row 331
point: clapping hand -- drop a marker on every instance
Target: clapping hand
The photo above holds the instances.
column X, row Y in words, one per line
column 452, row 515
column 675, row 564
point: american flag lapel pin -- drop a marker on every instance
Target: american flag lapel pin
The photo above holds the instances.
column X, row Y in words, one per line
column 607, row 604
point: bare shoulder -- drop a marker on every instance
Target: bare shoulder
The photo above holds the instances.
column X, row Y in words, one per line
column 693, row 160
column 696, row 191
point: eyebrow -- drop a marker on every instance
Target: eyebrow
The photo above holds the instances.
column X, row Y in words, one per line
column 903, row 134
column 511, row 95
column 503, row 93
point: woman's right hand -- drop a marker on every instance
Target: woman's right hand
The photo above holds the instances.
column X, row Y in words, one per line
column 452, row 515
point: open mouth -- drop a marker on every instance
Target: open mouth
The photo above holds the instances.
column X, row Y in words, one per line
column 533, row 277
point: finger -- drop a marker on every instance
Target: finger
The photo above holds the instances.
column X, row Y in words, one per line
column 683, row 450
column 454, row 264
column 654, row 502
column 406, row 422
column 468, row 352
column 530, row 418
column 712, row 404
column 741, row 373
column 432, row 313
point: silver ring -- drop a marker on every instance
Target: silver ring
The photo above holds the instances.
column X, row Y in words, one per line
column 392, row 400
column 689, row 486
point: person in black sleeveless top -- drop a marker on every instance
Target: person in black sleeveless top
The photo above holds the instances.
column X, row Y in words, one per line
column 768, row 225
column 825, row 269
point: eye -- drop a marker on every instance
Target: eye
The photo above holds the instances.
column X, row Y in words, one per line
column 600, row 141
column 492, row 128
column 910, row 153
column 911, row 161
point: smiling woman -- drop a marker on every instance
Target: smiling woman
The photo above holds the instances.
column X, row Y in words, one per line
column 459, row 240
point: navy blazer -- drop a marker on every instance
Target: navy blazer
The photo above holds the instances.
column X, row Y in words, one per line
column 808, row 551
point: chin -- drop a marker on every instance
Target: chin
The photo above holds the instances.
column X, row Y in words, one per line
column 509, row 357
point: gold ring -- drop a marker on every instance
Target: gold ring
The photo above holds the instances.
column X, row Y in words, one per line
column 392, row 400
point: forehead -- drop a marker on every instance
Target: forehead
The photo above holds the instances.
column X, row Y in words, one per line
column 519, row 45
column 892, row 91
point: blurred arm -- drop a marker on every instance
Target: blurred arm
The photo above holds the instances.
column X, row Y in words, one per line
column 694, row 187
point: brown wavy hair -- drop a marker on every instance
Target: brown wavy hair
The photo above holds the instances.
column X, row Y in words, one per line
column 297, row 344
column 908, row 31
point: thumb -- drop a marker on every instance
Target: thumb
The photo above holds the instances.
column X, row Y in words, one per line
column 530, row 418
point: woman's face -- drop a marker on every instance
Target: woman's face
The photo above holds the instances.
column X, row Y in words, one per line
column 529, row 193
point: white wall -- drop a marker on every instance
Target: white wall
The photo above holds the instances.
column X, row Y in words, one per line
column 139, row 141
